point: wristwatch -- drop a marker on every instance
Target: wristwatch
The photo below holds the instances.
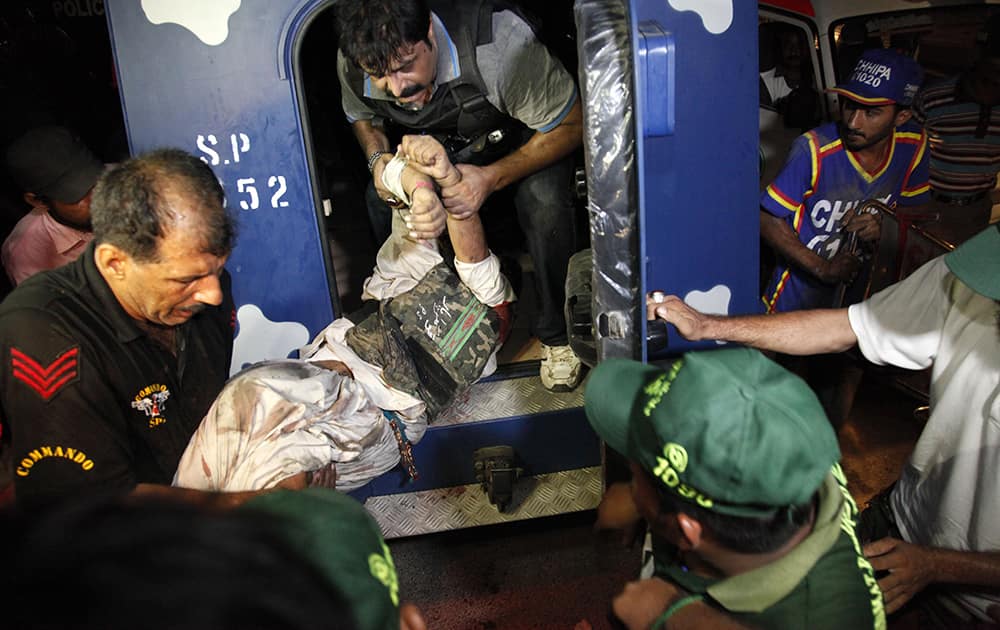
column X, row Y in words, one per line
column 374, row 158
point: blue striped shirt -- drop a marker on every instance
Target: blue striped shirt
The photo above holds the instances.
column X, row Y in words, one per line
column 963, row 137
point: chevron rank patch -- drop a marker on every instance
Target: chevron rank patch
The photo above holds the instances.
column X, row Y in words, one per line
column 46, row 379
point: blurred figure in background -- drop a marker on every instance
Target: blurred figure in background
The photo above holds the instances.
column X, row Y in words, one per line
column 961, row 116
column 56, row 173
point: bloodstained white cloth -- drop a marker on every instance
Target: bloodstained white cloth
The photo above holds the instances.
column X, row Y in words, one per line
column 276, row 419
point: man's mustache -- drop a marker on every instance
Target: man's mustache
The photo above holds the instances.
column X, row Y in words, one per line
column 410, row 91
column 194, row 309
column 847, row 132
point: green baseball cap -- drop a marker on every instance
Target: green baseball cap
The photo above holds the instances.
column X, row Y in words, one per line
column 336, row 533
column 729, row 429
column 976, row 262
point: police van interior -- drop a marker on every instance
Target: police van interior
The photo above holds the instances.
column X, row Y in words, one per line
column 522, row 444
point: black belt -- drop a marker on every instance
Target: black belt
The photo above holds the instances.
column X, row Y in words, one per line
column 959, row 200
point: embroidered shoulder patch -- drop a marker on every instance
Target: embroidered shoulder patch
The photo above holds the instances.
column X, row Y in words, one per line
column 46, row 380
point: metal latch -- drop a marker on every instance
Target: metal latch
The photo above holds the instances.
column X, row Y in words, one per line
column 656, row 336
column 496, row 471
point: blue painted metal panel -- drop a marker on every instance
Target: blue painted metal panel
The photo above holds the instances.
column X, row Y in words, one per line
column 545, row 443
column 698, row 178
column 213, row 79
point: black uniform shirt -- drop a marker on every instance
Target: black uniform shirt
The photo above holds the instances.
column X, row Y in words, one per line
column 92, row 402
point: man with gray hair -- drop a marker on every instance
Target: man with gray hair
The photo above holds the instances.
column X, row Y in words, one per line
column 110, row 362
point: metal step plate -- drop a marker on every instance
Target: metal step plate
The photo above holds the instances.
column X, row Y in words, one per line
column 414, row 513
column 511, row 401
column 505, row 398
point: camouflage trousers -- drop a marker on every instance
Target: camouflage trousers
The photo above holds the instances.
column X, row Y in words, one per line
column 432, row 341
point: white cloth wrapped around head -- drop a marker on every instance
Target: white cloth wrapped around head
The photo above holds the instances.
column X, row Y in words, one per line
column 279, row 418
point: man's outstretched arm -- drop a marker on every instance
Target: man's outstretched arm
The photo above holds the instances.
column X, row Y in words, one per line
column 214, row 500
column 641, row 603
column 372, row 139
column 797, row 332
column 325, row 477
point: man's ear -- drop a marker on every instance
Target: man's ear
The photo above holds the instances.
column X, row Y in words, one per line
column 410, row 618
column 903, row 115
column 430, row 34
column 691, row 532
column 32, row 200
column 112, row 262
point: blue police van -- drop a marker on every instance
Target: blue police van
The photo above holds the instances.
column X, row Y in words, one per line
column 250, row 86
column 667, row 181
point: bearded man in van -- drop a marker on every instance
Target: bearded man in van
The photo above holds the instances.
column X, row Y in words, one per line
column 476, row 76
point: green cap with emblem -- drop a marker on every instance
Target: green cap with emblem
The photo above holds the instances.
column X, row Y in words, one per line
column 976, row 262
column 340, row 538
column 729, row 429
